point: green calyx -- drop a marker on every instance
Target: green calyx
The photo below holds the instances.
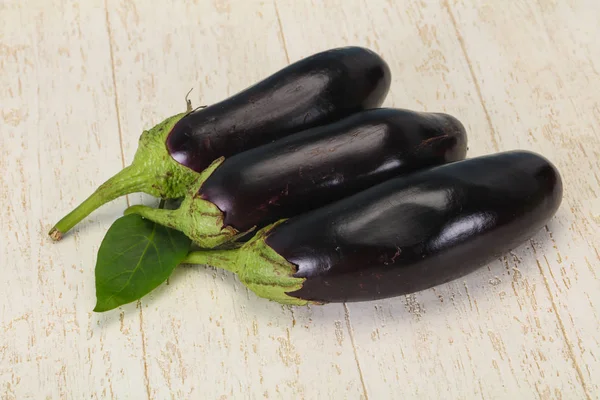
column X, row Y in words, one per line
column 153, row 171
column 167, row 178
column 258, row 267
column 198, row 219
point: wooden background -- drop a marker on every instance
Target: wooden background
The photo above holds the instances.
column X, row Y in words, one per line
column 80, row 81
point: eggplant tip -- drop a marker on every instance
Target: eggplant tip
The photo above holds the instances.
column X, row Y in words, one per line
column 55, row 234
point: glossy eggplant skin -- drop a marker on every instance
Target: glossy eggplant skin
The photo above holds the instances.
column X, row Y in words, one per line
column 316, row 90
column 315, row 167
column 412, row 233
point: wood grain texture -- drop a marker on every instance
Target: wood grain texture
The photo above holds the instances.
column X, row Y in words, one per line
column 518, row 339
column 554, row 58
column 58, row 140
column 81, row 81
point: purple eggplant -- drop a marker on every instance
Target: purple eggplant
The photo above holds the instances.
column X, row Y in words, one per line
column 310, row 169
column 316, row 90
column 402, row 236
column 312, row 92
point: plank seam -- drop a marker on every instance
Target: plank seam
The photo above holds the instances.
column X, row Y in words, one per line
column 114, row 81
column 281, row 34
column 563, row 330
column 120, row 131
column 472, row 72
column 351, row 334
column 144, row 355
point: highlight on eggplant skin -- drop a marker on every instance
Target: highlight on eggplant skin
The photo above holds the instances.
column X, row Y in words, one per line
column 412, row 233
column 315, row 90
column 313, row 168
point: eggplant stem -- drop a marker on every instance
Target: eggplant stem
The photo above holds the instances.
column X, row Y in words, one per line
column 188, row 102
column 129, row 180
column 222, row 259
column 158, row 215
column 153, row 171
column 257, row 266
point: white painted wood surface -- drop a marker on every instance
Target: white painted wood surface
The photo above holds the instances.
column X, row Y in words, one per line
column 80, row 81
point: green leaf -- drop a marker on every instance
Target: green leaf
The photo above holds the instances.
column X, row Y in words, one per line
column 135, row 257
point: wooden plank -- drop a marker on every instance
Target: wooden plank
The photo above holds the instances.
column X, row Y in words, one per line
column 80, row 82
column 495, row 333
column 544, row 89
column 204, row 335
column 58, row 141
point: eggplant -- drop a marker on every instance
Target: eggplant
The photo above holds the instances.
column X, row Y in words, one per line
column 308, row 170
column 316, row 90
column 404, row 235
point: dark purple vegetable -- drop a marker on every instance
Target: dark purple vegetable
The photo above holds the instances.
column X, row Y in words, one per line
column 310, row 169
column 316, row 90
column 404, row 235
